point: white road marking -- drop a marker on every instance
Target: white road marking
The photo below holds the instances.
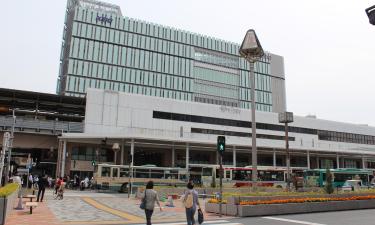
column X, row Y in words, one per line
column 292, row 221
column 223, row 222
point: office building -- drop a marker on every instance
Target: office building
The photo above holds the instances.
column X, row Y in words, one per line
column 103, row 49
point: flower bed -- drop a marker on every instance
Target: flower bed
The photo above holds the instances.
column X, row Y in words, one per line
column 303, row 200
column 217, row 201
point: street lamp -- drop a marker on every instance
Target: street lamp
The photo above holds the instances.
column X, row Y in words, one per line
column 286, row 117
column 252, row 51
column 371, row 14
column 115, row 148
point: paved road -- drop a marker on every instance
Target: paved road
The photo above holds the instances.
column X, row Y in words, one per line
column 353, row 217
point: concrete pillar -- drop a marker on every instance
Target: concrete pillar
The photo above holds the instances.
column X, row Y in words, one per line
column 317, row 163
column 363, row 162
column 132, row 151
column 122, row 152
column 173, row 156
column 217, row 158
column 234, row 157
column 63, row 158
column 338, row 161
column 274, row 158
column 308, row 160
column 187, row 157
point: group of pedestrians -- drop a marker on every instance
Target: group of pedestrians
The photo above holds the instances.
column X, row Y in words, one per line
column 190, row 201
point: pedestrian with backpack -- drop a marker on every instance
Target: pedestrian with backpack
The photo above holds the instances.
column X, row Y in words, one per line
column 148, row 201
column 191, row 202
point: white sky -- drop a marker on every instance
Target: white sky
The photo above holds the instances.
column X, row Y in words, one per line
column 328, row 46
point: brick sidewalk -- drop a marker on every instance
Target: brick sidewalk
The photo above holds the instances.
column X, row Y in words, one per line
column 42, row 215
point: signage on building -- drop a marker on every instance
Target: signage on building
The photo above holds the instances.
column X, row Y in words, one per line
column 233, row 110
column 104, row 19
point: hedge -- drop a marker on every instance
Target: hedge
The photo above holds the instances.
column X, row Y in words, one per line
column 8, row 189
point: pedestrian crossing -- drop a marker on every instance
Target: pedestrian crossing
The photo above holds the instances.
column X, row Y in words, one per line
column 212, row 222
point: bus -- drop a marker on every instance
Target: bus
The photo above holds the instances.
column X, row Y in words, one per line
column 317, row 177
column 117, row 176
column 238, row 176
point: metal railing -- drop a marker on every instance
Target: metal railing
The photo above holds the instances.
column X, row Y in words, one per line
column 36, row 125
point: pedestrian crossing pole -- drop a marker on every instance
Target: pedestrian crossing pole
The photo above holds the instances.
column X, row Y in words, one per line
column 221, row 150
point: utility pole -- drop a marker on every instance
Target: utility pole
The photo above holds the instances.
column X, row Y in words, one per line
column 3, row 152
column 9, row 148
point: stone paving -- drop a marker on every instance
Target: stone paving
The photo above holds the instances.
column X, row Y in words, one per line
column 75, row 209
column 89, row 207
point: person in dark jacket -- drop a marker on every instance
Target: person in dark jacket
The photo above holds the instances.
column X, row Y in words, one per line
column 42, row 184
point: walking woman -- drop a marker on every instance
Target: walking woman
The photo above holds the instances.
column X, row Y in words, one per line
column 150, row 196
column 191, row 202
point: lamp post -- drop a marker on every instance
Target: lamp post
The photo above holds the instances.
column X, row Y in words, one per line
column 252, row 51
column 371, row 14
column 286, row 117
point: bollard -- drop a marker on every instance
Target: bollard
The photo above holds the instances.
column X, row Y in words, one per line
column 19, row 206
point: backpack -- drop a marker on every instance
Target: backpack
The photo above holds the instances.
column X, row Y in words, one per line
column 188, row 202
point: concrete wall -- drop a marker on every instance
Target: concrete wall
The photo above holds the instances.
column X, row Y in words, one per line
column 278, row 83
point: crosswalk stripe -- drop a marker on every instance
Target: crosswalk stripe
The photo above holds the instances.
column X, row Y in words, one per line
column 292, row 221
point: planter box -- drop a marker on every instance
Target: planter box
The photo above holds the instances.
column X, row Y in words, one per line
column 290, row 208
column 236, row 200
column 7, row 205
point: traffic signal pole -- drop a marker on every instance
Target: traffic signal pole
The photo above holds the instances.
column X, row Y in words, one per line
column 221, row 150
column 221, row 184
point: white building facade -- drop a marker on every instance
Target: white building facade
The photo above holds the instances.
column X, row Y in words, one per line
column 176, row 133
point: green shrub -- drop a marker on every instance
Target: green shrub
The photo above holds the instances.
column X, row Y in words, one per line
column 8, row 189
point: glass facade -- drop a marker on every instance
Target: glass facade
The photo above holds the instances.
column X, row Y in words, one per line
column 102, row 49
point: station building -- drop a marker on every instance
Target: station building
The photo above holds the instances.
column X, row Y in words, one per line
column 177, row 133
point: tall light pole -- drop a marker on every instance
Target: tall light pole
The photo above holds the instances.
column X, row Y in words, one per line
column 286, row 117
column 252, row 51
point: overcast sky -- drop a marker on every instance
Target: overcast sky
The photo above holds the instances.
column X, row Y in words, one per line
column 328, row 46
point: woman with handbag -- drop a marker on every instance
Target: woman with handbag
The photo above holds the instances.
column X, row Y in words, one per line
column 148, row 201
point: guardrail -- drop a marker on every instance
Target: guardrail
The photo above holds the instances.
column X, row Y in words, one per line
column 36, row 125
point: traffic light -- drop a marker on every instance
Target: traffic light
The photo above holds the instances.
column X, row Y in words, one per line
column 93, row 162
column 371, row 14
column 221, row 144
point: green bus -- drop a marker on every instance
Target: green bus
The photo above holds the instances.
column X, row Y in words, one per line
column 317, row 177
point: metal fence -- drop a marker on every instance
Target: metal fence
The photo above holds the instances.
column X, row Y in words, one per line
column 36, row 125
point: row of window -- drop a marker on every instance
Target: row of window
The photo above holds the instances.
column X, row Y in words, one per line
column 85, row 153
column 262, row 82
column 258, row 106
column 122, row 38
column 156, row 30
column 221, row 60
column 238, row 134
column 123, row 74
column 322, row 134
column 260, row 96
column 216, row 101
column 78, row 85
column 346, row 137
column 207, row 89
column 130, row 57
column 216, row 76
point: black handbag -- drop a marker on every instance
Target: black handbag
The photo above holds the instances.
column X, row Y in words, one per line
column 200, row 216
column 143, row 203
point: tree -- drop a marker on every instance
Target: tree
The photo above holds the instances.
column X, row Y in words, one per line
column 329, row 185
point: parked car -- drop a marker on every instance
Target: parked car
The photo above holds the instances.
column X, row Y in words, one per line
column 352, row 185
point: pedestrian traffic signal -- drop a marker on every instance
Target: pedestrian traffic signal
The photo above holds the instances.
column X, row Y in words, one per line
column 93, row 162
column 221, row 144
